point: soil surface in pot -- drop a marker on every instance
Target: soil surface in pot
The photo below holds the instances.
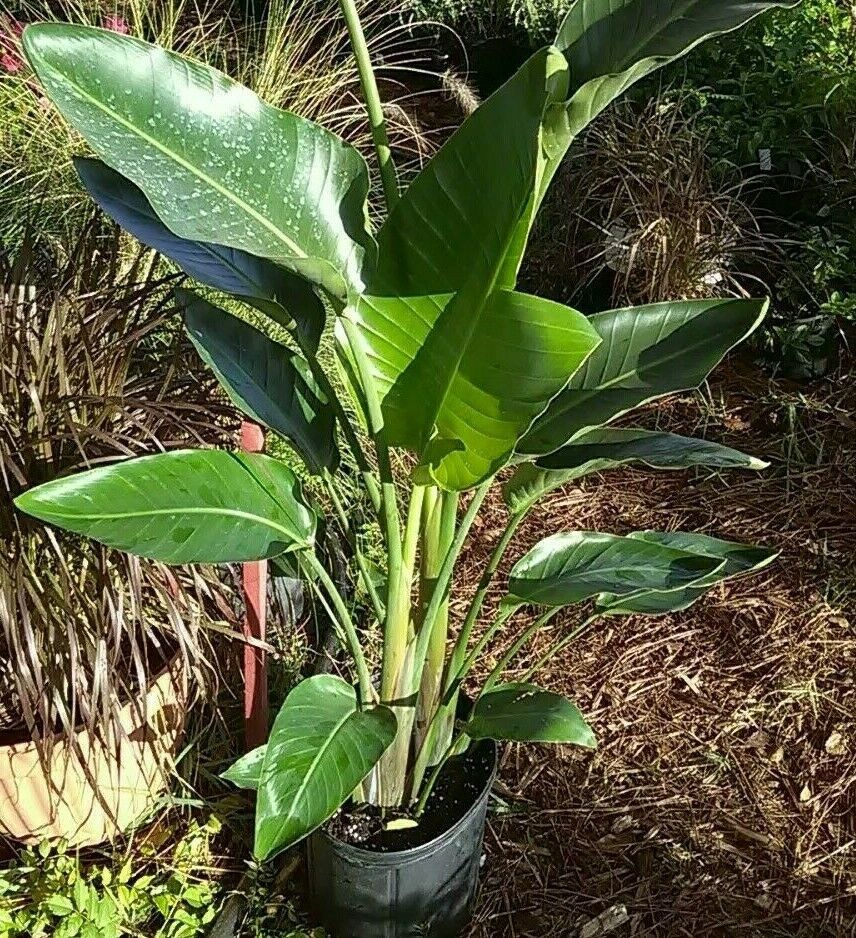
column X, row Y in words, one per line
column 458, row 788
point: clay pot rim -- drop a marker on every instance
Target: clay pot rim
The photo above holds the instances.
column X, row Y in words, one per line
column 171, row 664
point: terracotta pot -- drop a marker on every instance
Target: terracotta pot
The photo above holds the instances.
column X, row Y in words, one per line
column 124, row 772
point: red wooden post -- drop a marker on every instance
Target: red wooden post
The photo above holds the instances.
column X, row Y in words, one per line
column 255, row 602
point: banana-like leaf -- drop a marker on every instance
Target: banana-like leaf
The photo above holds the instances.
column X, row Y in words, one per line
column 280, row 294
column 647, row 352
column 188, row 506
column 320, row 748
column 215, row 161
column 607, row 448
column 573, row 566
column 440, row 277
column 526, row 713
column 737, row 560
column 246, row 772
column 452, row 224
column 267, row 381
column 487, row 386
column 610, row 44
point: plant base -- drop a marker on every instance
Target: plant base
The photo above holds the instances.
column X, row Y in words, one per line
column 412, row 882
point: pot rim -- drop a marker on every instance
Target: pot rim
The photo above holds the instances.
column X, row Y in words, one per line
column 392, row 857
column 13, row 738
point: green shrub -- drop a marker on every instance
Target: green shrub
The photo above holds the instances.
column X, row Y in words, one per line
column 530, row 21
column 49, row 892
column 787, row 84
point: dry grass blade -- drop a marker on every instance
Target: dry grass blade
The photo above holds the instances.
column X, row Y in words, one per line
column 640, row 198
column 91, row 355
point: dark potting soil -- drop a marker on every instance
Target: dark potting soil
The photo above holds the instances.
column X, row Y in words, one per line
column 459, row 786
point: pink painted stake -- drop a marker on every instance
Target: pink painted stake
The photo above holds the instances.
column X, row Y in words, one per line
column 255, row 601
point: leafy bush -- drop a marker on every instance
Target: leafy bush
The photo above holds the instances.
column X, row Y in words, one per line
column 49, row 892
column 788, row 84
column 529, row 21
column 455, row 373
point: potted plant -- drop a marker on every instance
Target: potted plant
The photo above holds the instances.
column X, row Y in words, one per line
column 440, row 358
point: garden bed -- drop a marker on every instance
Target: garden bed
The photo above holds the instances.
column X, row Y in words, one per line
column 721, row 799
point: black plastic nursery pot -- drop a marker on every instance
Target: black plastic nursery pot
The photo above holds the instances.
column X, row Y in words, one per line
column 426, row 890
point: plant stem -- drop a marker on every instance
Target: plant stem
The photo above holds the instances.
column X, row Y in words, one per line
column 560, row 646
column 459, row 651
column 439, row 516
column 435, row 774
column 444, row 577
column 374, row 107
column 389, row 502
column 348, row 528
column 509, row 656
column 367, row 694
column 347, row 427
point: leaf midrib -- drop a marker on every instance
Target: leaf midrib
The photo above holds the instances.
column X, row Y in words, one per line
column 290, row 815
column 125, row 515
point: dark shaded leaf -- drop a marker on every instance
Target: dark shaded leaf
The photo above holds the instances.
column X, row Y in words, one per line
column 525, row 713
column 268, row 382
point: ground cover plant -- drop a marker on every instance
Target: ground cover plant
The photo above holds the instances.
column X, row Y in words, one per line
column 49, row 892
column 454, row 375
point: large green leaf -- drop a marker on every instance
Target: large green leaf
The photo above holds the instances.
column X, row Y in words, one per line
column 736, row 560
column 246, row 771
column 526, row 713
column 280, row 294
column 487, row 388
column 576, row 565
column 189, row 506
column 610, row 44
column 486, row 360
column 452, row 225
column 320, row 748
column 647, row 352
column 216, row 162
column 600, row 450
column 267, row 381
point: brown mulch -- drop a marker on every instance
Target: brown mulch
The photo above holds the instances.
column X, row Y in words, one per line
column 721, row 799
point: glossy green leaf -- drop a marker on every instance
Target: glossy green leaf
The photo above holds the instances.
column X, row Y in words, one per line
column 576, row 565
column 451, row 226
column 736, row 560
column 268, row 382
column 246, row 771
column 647, row 352
column 320, row 748
column 287, row 298
column 607, row 448
column 489, row 386
column 216, row 163
column 188, row 506
column 610, row 44
column 441, row 276
column 526, row 713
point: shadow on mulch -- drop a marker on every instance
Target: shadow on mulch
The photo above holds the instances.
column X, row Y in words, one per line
column 721, row 800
